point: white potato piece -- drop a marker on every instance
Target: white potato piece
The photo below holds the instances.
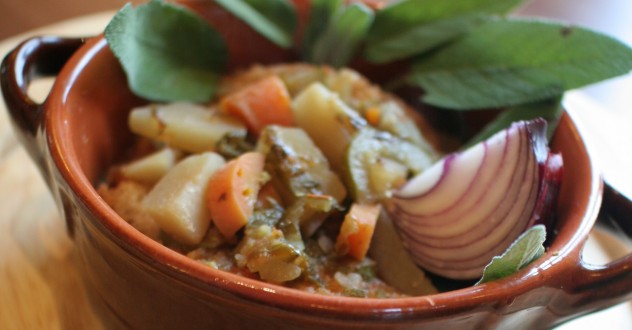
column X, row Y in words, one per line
column 327, row 120
column 178, row 201
column 185, row 126
column 152, row 167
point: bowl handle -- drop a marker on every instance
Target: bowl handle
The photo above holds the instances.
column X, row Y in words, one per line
column 34, row 58
column 598, row 287
column 617, row 207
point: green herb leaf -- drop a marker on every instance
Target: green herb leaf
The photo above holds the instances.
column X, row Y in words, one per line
column 550, row 110
column 320, row 13
column 527, row 248
column 411, row 27
column 274, row 19
column 167, row 52
column 510, row 62
column 346, row 29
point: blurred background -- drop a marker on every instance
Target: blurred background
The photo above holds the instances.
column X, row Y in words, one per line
column 17, row 16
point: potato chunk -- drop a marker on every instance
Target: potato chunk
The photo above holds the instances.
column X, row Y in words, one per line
column 152, row 167
column 178, row 202
column 185, row 126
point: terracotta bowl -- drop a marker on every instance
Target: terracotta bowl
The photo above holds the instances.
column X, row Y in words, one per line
column 135, row 282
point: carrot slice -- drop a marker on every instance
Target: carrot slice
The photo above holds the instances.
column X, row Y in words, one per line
column 266, row 102
column 357, row 230
column 232, row 192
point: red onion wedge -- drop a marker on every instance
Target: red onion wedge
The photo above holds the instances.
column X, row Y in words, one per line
column 470, row 206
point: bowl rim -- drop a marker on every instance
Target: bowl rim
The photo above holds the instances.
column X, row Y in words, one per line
column 176, row 265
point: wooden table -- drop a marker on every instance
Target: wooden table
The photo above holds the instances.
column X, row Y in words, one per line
column 19, row 16
column 39, row 284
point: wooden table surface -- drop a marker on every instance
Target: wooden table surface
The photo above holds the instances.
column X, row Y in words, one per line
column 18, row 16
column 39, row 284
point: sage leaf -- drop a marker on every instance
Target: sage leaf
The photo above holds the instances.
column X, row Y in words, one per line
column 274, row 19
column 526, row 249
column 320, row 13
column 549, row 110
column 411, row 27
column 345, row 31
column 168, row 53
column 509, row 62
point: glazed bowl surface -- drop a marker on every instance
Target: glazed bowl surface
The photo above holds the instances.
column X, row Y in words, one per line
column 135, row 282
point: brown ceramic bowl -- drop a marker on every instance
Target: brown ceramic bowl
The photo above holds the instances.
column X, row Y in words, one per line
column 135, row 282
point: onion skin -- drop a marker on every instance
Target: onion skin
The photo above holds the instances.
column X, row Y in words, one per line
column 552, row 173
column 455, row 217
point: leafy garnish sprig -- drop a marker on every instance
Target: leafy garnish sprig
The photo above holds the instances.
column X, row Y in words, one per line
column 275, row 20
column 465, row 54
column 346, row 29
column 168, row 52
column 526, row 249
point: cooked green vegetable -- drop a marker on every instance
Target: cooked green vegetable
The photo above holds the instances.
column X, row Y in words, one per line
column 264, row 250
column 378, row 162
column 305, row 215
column 233, row 144
column 395, row 120
column 302, row 176
column 297, row 166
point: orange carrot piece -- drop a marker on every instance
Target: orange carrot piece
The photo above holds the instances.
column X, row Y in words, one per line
column 232, row 192
column 263, row 103
column 357, row 229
